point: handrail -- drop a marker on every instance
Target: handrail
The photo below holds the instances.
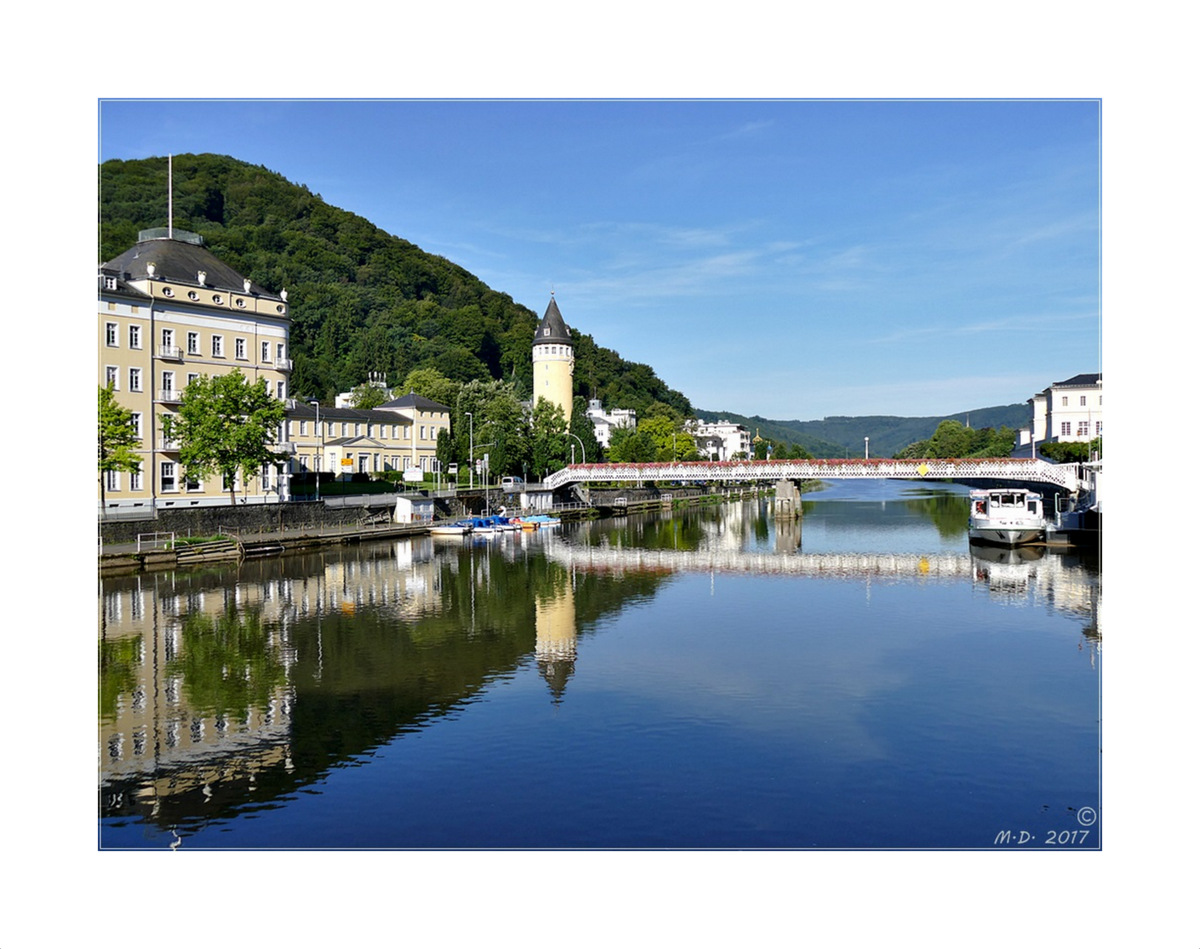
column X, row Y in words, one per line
column 1013, row 469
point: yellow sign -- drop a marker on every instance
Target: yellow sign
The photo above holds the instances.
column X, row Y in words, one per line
column 347, row 462
column 922, row 469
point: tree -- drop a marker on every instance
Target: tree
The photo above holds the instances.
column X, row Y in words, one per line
column 226, row 424
column 548, row 439
column 432, row 384
column 367, row 396
column 116, row 438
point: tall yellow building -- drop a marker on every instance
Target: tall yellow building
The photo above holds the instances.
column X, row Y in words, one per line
column 170, row 311
column 554, row 361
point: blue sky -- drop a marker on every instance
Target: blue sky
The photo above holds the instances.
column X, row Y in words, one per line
column 787, row 258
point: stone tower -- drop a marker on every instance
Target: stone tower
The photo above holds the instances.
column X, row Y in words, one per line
column 554, row 361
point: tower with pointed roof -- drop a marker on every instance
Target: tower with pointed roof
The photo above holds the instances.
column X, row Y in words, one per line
column 554, row 361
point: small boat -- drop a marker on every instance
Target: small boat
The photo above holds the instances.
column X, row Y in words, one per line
column 1006, row 516
column 456, row 529
column 534, row 522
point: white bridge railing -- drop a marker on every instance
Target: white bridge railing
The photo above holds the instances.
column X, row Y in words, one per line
column 1000, row 469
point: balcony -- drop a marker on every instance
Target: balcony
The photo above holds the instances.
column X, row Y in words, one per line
column 168, row 444
column 286, row 448
column 170, row 395
column 170, row 352
column 283, row 365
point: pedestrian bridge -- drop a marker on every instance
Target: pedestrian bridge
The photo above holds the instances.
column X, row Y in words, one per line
column 1017, row 470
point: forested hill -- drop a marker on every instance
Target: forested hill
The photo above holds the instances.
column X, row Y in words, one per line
column 361, row 300
column 842, row 436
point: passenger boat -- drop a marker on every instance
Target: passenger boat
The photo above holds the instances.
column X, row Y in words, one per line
column 1006, row 516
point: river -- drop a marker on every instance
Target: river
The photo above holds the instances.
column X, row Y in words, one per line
column 860, row 678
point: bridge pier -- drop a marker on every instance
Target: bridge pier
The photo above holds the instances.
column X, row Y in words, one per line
column 787, row 498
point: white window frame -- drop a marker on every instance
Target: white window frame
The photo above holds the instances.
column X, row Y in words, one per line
column 135, row 336
column 112, row 335
column 218, row 346
column 193, row 342
column 239, row 348
column 135, row 379
column 168, row 475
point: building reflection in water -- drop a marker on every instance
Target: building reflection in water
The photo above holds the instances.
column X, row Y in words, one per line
column 201, row 672
column 554, row 616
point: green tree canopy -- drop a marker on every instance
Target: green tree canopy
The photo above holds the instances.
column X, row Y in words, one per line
column 116, row 437
column 228, row 425
column 952, row 439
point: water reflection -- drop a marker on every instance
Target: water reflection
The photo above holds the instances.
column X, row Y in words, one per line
column 231, row 689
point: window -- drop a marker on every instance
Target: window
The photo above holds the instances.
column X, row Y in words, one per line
column 110, row 334
column 168, row 339
column 266, row 352
column 1083, row 400
column 135, row 478
column 110, row 283
column 110, row 376
column 135, row 380
column 191, row 484
column 1064, row 400
column 112, row 481
column 135, row 422
column 239, row 349
column 303, row 427
column 168, row 381
column 166, row 476
column 1065, row 429
column 194, row 344
column 1082, row 429
column 1099, row 428
column 218, row 346
column 279, row 350
column 135, row 336
column 280, row 390
column 357, row 429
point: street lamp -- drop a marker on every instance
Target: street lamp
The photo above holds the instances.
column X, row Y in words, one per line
column 867, row 448
column 471, row 417
column 321, row 442
column 582, row 450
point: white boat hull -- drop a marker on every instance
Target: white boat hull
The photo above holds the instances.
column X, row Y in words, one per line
column 1006, row 536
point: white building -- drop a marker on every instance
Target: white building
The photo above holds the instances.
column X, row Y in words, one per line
column 603, row 422
column 719, row 441
column 1069, row 411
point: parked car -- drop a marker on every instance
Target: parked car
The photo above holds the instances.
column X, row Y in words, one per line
column 511, row 483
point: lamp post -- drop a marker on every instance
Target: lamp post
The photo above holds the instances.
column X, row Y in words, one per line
column 867, row 448
column 471, row 459
column 582, row 450
column 321, row 442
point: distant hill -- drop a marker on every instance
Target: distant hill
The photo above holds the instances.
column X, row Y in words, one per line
column 840, row 436
column 361, row 300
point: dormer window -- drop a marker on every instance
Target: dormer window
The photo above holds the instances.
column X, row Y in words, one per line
column 546, row 331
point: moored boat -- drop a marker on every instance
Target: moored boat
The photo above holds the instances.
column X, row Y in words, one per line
column 455, row 529
column 1006, row 516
